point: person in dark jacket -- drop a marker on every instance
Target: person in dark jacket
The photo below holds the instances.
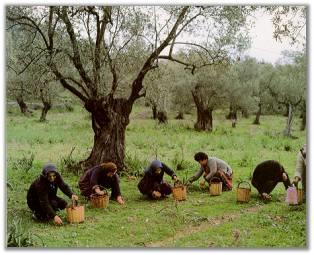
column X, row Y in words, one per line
column 42, row 196
column 267, row 175
column 153, row 184
column 99, row 177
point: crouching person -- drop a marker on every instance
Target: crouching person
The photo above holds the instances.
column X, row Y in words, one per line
column 96, row 178
column 211, row 167
column 153, row 184
column 267, row 175
column 42, row 196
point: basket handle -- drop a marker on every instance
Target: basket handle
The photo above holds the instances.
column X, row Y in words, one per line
column 244, row 182
column 214, row 178
column 74, row 203
column 177, row 183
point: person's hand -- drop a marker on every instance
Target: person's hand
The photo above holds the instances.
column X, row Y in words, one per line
column 175, row 178
column 156, row 194
column 57, row 220
column 74, row 197
column 100, row 192
column 295, row 181
column 120, row 200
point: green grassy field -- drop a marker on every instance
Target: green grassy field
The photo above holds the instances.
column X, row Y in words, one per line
column 201, row 221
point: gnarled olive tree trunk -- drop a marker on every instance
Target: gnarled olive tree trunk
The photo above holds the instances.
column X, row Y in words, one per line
column 110, row 118
column 288, row 129
column 204, row 113
column 23, row 107
column 204, row 119
column 46, row 100
column 258, row 115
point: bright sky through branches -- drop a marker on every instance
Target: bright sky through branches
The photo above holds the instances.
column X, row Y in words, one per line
column 264, row 46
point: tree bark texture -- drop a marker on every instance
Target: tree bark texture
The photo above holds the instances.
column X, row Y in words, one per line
column 303, row 116
column 288, row 129
column 162, row 117
column 23, row 107
column 258, row 115
column 154, row 109
column 180, row 116
column 204, row 113
column 46, row 100
column 110, row 118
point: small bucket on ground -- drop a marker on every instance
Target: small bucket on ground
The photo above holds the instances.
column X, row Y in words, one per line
column 215, row 186
column 99, row 201
column 179, row 191
column 243, row 193
column 75, row 213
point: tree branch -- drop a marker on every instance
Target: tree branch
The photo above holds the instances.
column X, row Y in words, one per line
column 137, row 84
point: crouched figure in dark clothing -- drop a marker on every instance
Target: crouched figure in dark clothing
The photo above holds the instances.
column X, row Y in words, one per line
column 267, row 175
column 99, row 177
column 42, row 196
column 153, row 184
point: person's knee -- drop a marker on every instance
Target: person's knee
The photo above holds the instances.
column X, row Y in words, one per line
column 58, row 204
column 165, row 189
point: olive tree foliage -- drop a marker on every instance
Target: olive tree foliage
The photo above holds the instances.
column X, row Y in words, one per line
column 240, row 80
column 209, row 93
column 19, row 83
column 158, row 84
column 105, row 66
column 182, row 99
column 290, row 87
column 289, row 23
column 28, row 76
column 265, row 79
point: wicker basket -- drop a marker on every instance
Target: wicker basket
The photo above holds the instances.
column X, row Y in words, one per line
column 215, row 187
column 300, row 196
column 99, row 201
column 75, row 213
column 179, row 192
column 243, row 194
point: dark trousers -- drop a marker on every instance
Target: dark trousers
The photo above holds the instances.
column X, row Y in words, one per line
column 265, row 187
column 146, row 187
column 56, row 203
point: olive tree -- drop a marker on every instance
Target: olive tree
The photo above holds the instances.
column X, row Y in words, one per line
column 106, row 73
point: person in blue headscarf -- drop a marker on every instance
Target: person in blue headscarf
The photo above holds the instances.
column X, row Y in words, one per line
column 153, row 184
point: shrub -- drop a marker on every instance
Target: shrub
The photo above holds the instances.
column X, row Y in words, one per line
column 25, row 163
column 18, row 236
column 67, row 163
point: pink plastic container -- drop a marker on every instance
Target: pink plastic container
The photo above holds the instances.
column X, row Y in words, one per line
column 292, row 196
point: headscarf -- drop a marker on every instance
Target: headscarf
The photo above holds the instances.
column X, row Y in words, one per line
column 109, row 167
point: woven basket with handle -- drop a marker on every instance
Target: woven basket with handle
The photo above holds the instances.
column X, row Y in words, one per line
column 243, row 193
column 99, row 201
column 75, row 213
column 215, row 186
column 179, row 191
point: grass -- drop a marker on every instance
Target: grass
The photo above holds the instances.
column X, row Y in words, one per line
column 196, row 222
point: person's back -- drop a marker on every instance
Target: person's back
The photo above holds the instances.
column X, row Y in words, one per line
column 84, row 182
column 221, row 165
column 267, row 175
